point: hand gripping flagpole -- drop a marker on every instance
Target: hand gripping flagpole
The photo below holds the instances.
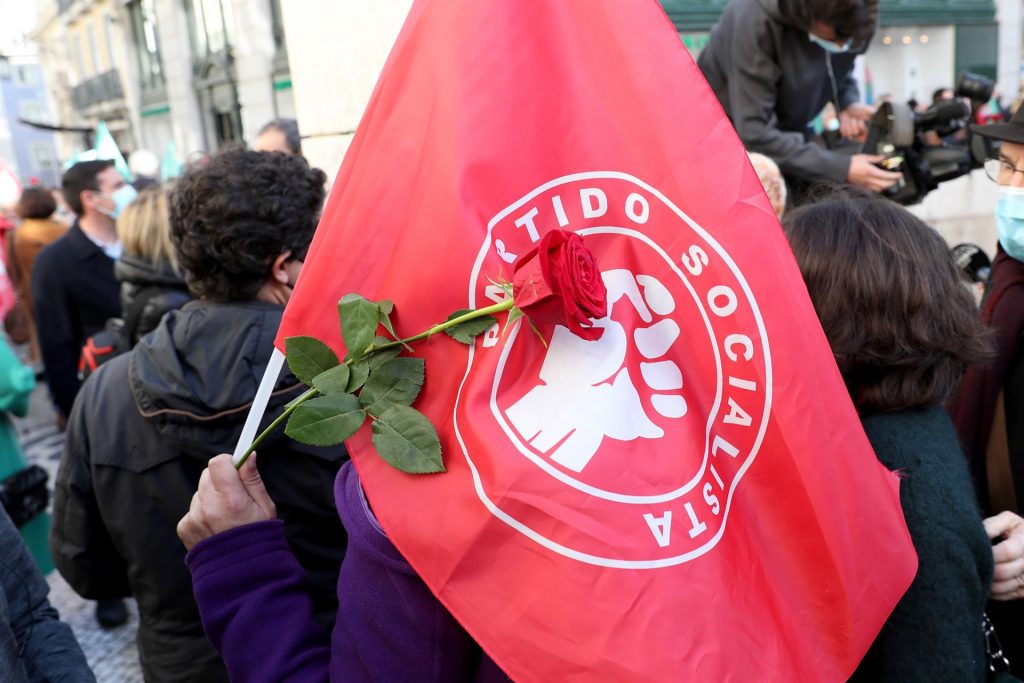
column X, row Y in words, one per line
column 259, row 404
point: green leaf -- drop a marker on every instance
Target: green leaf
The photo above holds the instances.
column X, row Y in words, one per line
column 326, row 421
column 514, row 314
column 308, row 357
column 407, row 441
column 358, row 372
column 397, row 382
column 384, row 309
column 359, row 320
column 464, row 332
column 333, row 381
column 378, row 358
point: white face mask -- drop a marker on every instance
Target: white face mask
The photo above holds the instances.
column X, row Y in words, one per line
column 828, row 45
column 121, row 198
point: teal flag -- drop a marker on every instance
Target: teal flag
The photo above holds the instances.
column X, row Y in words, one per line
column 106, row 148
column 170, row 167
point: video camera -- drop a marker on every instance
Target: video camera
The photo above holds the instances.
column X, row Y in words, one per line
column 900, row 134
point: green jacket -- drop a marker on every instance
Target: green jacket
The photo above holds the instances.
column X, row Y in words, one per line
column 16, row 385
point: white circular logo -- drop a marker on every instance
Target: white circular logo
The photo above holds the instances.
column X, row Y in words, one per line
column 625, row 451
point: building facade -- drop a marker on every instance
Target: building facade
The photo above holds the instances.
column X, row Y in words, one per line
column 30, row 151
column 195, row 73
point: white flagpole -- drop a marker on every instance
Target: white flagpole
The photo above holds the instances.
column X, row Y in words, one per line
column 259, row 404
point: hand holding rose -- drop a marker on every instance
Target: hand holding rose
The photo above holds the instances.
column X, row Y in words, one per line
column 227, row 498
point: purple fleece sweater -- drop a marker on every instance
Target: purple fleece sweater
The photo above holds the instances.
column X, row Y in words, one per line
column 257, row 613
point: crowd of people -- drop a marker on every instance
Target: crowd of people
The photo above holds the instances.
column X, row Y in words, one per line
column 154, row 314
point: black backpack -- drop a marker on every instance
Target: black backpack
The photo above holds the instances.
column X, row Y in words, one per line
column 116, row 337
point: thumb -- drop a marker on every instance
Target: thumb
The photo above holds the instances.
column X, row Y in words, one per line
column 254, row 485
column 874, row 158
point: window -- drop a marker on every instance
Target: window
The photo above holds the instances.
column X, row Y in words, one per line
column 147, row 47
column 78, row 58
column 24, row 74
column 211, row 25
column 31, row 110
column 109, row 39
column 5, row 68
column 43, row 155
column 94, row 52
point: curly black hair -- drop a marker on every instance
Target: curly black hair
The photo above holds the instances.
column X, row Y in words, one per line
column 234, row 214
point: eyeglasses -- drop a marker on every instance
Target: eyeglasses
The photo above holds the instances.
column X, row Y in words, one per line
column 1001, row 171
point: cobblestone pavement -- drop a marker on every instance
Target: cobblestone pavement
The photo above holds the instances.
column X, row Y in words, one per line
column 112, row 654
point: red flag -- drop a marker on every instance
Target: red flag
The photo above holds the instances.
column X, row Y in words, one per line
column 689, row 497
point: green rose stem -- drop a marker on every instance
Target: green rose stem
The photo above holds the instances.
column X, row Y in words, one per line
column 504, row 305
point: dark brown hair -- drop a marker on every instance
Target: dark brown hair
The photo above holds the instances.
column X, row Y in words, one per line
column 79, row 178
column 36, row 202
column 233, row 215
column 901, row 323
column 854, row 20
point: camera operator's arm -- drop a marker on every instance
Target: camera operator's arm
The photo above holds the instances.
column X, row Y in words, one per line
column 752, row 78
column 852, row 114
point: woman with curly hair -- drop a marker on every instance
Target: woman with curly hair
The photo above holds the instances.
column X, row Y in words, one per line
column 147, row 422
column 903, row 329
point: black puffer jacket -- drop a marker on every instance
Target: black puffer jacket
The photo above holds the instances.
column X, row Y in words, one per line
column 148, row 291
column 142, row 430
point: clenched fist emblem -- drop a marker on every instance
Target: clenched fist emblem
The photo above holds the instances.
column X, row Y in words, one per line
column 588, row 390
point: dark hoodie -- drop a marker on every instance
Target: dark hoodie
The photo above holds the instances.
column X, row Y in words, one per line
column 148, row 291
column 141, row 432
column 772, row 81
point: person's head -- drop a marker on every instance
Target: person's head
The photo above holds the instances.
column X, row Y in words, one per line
column 280, row 135
column 35, row 202
column 1006, row 168
column 891, row 301
column 242, row 223
column 942, row 94
column 843, row 22
column 90, row 189
column 144, row 229
column 771, row 179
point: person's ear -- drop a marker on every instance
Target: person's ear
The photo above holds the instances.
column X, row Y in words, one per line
column 87, row 199
column 277, row 270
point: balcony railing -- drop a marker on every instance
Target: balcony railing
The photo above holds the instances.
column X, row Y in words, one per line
column 102, row 88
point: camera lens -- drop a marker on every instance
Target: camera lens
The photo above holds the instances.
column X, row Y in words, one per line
column 977, row 88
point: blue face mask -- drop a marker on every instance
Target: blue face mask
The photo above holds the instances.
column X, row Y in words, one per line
column 828, row 45
column 1010, row 221
column 121, row 198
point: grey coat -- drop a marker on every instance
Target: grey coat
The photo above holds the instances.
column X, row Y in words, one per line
column 772, row 81
column 35, row 646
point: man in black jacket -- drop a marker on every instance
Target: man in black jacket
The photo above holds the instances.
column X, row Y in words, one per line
column 75, row 292
column 73, row 284
column 775, row 64
column 147, row 422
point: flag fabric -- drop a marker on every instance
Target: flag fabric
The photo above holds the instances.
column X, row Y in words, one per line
column 106, row 147
column 170, row 166
column 869, row 86
column 10, row 186
column 690, row 496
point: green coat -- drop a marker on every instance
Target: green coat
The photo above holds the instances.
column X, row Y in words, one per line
column 16, row 385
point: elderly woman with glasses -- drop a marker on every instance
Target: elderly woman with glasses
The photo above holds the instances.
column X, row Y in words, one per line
column 989, row 408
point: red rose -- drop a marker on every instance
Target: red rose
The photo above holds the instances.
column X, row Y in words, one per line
column 559, row 282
